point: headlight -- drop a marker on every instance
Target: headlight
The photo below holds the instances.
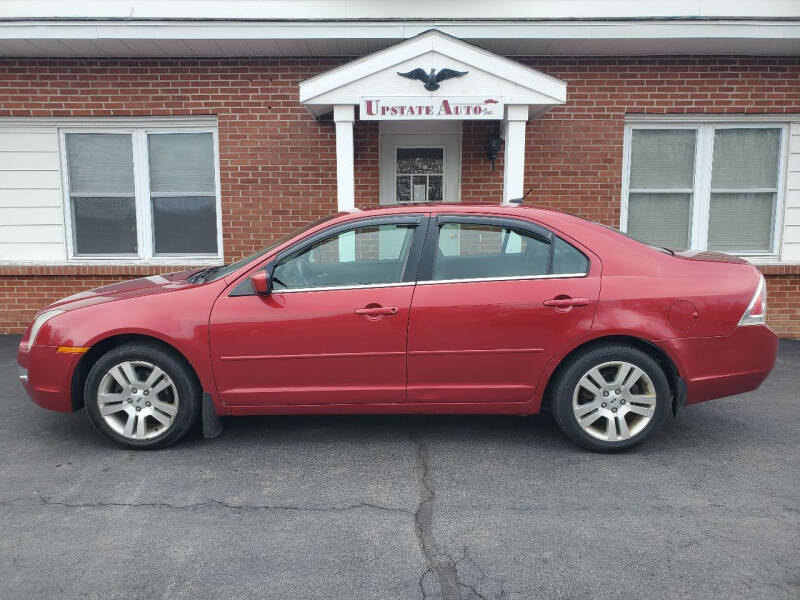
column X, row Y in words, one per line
column 41, row 320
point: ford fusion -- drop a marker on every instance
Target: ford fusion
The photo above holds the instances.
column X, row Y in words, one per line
column 412, row 309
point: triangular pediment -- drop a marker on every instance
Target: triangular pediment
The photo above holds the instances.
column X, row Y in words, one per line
column 487, row 74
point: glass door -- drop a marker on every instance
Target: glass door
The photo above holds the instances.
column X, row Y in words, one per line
column 419, row 174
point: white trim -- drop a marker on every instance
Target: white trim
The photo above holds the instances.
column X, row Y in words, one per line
column 344, row 115
column 514, row 152
column 575, row 28
column 345, row 287
column 9, row 123
column 517, row 278
column 705, row 127
column 393, row 137
column 685, row 121
column 369, row 10
column 142, row 199
column 376, row 75
column 82, row 262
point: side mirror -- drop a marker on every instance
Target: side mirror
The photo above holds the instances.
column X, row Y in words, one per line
column 260, row 281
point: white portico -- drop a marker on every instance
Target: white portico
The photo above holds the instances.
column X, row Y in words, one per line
column 421, row 91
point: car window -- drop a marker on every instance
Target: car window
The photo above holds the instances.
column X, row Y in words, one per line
column 567, row 259
column 472, row 251
column 362, row 256
column 483, row 251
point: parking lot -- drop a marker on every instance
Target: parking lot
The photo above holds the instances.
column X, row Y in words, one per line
column 391, row 507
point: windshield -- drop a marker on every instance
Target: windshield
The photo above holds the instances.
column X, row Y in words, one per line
column 225, row 270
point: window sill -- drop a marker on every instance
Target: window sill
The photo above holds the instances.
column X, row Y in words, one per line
column 124, row 269
column 769, row 261
column 95, row 262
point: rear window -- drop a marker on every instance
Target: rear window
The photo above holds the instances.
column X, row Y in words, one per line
column 567, row 259
column 488, row 251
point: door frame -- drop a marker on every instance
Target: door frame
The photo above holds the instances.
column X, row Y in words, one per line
column 420, row 220
column 421, row 134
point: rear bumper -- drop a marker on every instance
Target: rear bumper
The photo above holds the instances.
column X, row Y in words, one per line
column 49, row 376
column 715, row 367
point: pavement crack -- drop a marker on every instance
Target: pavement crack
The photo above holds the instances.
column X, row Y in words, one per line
column 46, row 501
column 438, row 561
column 491, row 585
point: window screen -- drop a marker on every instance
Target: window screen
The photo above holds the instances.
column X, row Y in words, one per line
column 744, row 186
column 661, row 186
column 183, row 193
column 101, row 193
column 734, row 207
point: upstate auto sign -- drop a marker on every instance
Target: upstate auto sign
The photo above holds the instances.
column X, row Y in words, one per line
column 375, row 108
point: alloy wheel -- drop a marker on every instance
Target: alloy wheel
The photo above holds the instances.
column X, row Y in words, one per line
column 614, row 401
column 137, row 399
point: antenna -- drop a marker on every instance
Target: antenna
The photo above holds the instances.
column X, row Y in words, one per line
column 520, row 200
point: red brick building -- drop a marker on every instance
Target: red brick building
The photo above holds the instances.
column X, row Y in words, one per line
column 140, row 147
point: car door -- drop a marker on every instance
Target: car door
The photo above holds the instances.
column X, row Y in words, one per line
column 333, row 330
column 496, row 298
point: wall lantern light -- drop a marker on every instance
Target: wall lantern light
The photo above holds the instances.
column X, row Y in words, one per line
column 493, row 147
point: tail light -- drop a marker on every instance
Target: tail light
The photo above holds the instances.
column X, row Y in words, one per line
column 756, row 312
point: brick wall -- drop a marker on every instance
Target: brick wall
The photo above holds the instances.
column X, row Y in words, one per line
column 278, row 165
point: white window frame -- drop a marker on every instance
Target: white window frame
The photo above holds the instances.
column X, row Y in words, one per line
column 419, row 134
column 139, row 131
column 441, row 147
column 705, row 127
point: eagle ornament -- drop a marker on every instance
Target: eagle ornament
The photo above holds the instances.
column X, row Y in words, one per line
column 432, row 79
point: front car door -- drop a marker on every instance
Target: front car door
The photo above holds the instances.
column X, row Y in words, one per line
column 495, row 300
column 333, row 330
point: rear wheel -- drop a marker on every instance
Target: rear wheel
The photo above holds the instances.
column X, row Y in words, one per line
column 611, row 398
column 142, row 396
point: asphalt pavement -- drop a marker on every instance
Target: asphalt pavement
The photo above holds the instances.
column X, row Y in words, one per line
column 397, row 507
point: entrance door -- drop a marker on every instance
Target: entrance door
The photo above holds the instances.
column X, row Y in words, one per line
column 420, row 162
column 334, row 328
column 480, row 329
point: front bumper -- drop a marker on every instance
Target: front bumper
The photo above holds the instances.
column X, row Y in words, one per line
column 714, row 367
column 48, row 380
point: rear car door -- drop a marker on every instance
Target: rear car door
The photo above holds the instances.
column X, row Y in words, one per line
column 496, row 298
column 333, row 329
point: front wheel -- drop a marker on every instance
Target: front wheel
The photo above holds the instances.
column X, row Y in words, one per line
column 142, row 396
column 611, row 398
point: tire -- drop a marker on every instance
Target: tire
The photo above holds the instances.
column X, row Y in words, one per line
column 623, row 410
column 152, row 411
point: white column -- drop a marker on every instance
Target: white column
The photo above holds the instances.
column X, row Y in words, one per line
column 343, row 115
column 514, row 159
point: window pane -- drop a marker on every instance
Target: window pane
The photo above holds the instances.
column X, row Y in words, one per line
column 364, row 256
column 568, row 259
column 745, row 158
column 741, row 222
column 181, row 163
column 419, row 188
column 185, row 225
column 104, row 225
column 404, row 188
column 662, row 159
column 99, row 163
column 468, row 251
column 435, row 188
column 660, row 219
column 420, row 160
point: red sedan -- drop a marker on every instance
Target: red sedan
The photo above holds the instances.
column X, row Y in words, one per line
column 414, row 309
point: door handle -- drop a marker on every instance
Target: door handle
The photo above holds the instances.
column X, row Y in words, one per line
column 561, row 302
column 377, row 311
